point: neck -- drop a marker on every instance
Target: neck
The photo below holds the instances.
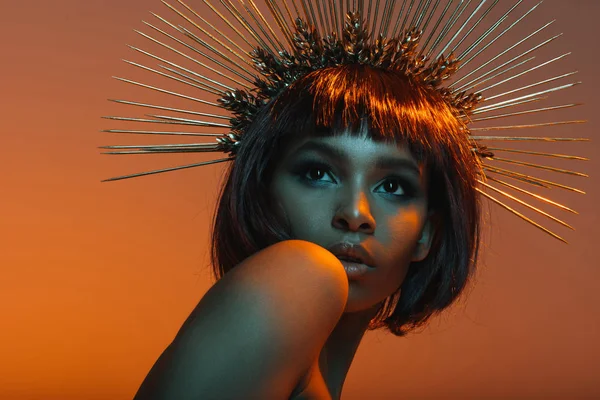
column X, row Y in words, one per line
column 339, row 350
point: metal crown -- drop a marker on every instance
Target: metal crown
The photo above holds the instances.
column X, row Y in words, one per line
column 431, row 41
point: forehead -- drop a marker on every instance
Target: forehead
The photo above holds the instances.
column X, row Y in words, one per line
column 353, row 146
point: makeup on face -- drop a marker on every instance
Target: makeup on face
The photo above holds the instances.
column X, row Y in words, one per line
column 319, row 164
column 363, row 200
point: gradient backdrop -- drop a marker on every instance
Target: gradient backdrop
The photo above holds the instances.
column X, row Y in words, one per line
column 96, row 278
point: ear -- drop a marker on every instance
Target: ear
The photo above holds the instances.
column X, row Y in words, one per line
column 427, row 233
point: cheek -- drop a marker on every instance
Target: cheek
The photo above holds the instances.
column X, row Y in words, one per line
column 306, row 220
column 305, row 214
column 400, row 233
column 397, row 242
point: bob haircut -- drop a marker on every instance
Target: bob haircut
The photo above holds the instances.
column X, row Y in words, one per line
column 396, row 110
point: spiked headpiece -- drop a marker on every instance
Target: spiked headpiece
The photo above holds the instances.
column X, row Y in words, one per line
column 430, row 41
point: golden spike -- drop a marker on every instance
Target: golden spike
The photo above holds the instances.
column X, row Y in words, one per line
column 428, row 20
column 280, row 20
column 169, row 76
column 498, row 128
column 270, row 38
column 475, row 25
column 157, row 151
column 174, row 146
column 297, row 11
column 502, row 72
column 414, row 14
column 133, row 103
column 529, row 138
column 487, row 33
column 525, row 112
column 334, row 17
column 483, row 48
column 184, row 69
column 376, row 13
column 448, row 26
column 198, row 40
column 194, row 60
column 215, row 29
column 537, row 196
column 242, row 21
column 554, row 89
column 537, row 153
column 189, row 78
column 370, row 23
column 326, row 15
column 188, row 19
column 432, row 33
column 419, row 13
column 514, row 175
column 168, row 169
column 160, row 132
column 542, row 182
column 344, row 12
column 388, row 7
column 501, row 106
column 533, row 85
column 324, row 29
column 545, row 214
column 469, row 85
column 532, row 165
column 190, row 121
column 523, row 73
column 521, row 215
column 168, row 92
column 309, row 13
column 165, row 148
column 154, row 121
column 228, row 23
column 189, row 34
column 412, row 2
column 464, row 24
column 287, row 10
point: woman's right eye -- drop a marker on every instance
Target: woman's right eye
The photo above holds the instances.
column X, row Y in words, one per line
column 318, row 174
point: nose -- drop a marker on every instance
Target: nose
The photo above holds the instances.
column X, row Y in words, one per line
column 354, row 214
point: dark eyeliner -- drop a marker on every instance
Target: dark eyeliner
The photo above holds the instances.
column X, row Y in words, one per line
column 301, row 169
column 411, row 190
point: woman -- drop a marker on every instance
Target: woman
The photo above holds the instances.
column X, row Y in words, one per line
column 352, row 204
column 365, row 172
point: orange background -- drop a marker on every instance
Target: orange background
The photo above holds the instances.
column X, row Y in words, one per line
column 96, row 278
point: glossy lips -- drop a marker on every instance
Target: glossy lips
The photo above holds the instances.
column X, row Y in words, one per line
column 355, row 259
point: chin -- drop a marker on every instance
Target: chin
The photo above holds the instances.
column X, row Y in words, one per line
column 359, row 300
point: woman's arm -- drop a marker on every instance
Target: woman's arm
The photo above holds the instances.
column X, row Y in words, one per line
column 257, row 330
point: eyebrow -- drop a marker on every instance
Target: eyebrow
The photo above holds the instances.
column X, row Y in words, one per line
column 337, row 154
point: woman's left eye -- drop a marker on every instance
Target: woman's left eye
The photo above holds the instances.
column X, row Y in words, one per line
column 394, row 187
column 318, row 173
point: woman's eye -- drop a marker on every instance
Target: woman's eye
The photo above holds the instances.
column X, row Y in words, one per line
column 317, row 174
column 393, row 186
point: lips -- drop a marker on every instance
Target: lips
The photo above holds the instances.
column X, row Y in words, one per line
column 351, row 259
column 352, row 252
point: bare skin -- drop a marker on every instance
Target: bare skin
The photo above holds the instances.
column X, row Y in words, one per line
column 348, row 188
column 278, row 305
column 293, row 300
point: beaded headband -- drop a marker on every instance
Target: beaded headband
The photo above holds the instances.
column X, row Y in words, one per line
column 429, row 42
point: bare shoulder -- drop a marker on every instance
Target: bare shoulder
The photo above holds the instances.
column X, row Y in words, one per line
column 257, row 330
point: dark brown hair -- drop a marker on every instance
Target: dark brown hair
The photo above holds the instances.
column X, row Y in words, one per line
column 396, row 110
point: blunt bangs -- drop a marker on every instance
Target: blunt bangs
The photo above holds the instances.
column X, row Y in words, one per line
column 392, row 108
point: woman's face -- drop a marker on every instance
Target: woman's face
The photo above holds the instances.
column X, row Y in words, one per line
column 349, row 189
